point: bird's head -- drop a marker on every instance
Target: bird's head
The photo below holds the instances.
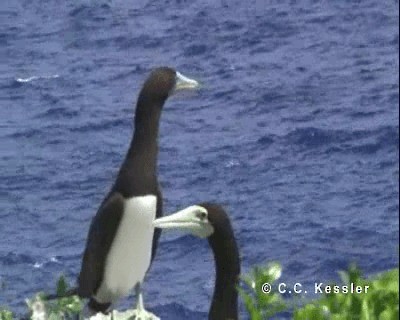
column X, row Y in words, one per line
column 200, row 220
column 165, row 81
column 193, row 219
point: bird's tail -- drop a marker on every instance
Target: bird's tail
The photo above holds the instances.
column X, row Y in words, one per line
column 66, row 294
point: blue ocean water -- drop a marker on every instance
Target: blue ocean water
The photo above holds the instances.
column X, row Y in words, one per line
column 295, row 131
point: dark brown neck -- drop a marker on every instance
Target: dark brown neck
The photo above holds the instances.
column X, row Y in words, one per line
column 144, row 146
column 138, row 174
column 224, row 304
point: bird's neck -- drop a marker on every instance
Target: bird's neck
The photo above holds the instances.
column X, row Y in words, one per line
column 144, row 145
column 224, row 304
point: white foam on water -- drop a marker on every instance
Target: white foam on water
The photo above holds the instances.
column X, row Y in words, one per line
column 29, row 79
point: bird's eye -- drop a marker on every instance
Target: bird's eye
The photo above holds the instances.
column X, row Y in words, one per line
column 202, row 215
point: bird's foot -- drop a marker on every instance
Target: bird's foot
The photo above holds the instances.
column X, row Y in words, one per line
column 142, row 314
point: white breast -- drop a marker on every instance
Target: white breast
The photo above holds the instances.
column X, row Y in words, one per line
column 130, row 254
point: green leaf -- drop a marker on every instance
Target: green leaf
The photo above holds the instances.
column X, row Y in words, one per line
column 365, row 314
column 62, row 286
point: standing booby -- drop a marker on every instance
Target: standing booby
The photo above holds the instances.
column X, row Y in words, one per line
column 121, row 242
column 211, row 221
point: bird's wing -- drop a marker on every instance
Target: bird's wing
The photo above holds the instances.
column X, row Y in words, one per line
column 157, row 231
column 101, row 234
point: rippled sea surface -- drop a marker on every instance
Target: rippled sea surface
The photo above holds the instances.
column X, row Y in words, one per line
column 295, row 131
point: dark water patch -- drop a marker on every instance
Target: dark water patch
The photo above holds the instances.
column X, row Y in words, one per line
column 181, row 239
column 362, row 62
column 55, row 113
column 273, row 96
column 392, row 210
column 386, row 164
column 276, row 28
column 370, row 148
column 389, row 137
column 11, row 84
column 365, row 114
column 298, row 118
column 328, row 268
column 49, row 99
column 28, row 133
column 321, row 19
column 126, row 74
column 81, row 67
column 148, row 42
column 393, row 98
column 195, row 50
column 314, row 137
column 44, row 35
column 12, row 258
column 266, row 140
column 341, row 140
column 224, row 93
column 232, row 25
column 87, row 12
column 296, row 267
column 100, row 126
column 170, row 151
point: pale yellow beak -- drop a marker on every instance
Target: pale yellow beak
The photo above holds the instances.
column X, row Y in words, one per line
column 183, row 82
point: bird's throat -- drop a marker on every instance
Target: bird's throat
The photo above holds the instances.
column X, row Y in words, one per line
column 225, row 298
column 144, row 145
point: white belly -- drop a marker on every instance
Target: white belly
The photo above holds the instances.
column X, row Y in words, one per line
column 130, row 254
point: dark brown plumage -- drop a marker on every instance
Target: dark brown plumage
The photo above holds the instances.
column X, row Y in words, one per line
column 136, row 177
column 208, row 220
column 222, row 241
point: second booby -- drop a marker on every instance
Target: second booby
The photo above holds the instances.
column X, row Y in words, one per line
column 208, row 220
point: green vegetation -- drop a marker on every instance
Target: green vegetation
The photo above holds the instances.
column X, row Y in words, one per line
column 259, row 305
column 63, row 308
column 6, row 315
column 380, row 301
